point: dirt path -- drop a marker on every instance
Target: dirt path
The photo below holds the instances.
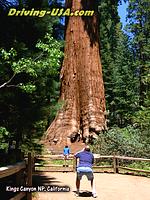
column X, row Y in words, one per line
column 108, row 186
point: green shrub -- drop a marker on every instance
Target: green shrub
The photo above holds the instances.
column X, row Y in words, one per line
column 123, row 141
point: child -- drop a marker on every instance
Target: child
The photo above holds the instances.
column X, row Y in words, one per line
column 66, row 152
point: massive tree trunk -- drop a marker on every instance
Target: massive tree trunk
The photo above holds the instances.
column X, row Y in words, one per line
column 82, row 88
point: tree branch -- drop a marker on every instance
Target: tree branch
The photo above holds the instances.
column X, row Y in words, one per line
column 6, row 83
column 12, row 86
column 39, row 56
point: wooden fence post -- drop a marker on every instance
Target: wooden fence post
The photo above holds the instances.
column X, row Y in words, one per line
column 33, row 164
column 29, row 176
column 115, row 164
column 19, row 178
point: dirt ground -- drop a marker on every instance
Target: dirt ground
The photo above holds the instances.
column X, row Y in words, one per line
column 108, row 187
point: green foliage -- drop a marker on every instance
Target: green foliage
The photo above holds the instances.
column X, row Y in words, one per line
column 46, row 63
column 55, row 108
column 121, row 82
column 139, row 28
column 29, row 85
column 123, row 141
column 6, row 56
column 142, row 118
column 30, row 59
column 31, row 145
column 126, row 67
column 4, row 135
column 28, row 88
column 140, row 165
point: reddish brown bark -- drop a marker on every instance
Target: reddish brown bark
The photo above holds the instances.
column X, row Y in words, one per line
column 82, row 88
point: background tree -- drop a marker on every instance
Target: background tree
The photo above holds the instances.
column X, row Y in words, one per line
column 126, row 77
column 139, row 28
column 120, row 79
column 29, row 86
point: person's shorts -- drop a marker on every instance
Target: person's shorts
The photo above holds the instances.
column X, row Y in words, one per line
column 87, row 171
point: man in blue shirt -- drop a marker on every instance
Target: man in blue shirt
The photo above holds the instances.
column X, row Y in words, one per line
column 86, row 160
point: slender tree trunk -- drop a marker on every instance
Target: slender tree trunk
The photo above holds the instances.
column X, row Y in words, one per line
column 82, row 88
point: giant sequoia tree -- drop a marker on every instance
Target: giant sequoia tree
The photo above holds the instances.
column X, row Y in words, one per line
column 82, row 88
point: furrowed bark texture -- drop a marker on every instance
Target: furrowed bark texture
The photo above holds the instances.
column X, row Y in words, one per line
column 82, row 88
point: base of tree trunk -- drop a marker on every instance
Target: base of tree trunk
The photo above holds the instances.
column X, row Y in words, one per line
column 58, row 132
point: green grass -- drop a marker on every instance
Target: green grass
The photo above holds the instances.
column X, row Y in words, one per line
column 54, row 162
column 140, row 165
column 61, row 162
column 103, row 163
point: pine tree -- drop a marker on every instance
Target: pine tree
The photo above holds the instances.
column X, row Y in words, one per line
column 139, row 28
column 118, row 69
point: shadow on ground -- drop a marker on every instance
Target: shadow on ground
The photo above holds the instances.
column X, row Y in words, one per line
column 41, row 179
column 84, row 193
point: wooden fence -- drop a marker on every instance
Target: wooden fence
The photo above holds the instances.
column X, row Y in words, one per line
column 115, row 165
column 65, row 166
column 19, row 169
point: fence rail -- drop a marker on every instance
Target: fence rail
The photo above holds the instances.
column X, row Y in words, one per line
column 136, row 170
column 132, row 158
column 115, row 166
column 17, row 169
column 11, row 169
